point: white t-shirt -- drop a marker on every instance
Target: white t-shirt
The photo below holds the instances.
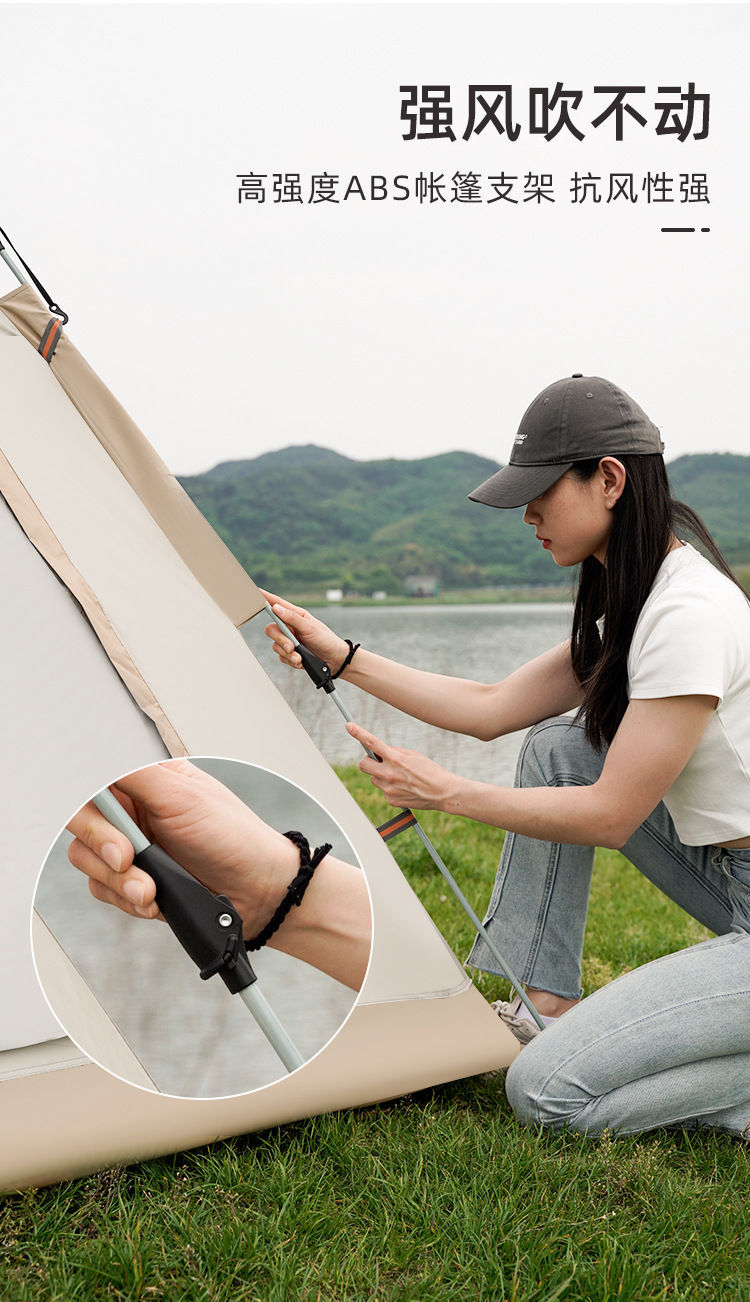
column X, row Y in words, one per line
column 693, row 638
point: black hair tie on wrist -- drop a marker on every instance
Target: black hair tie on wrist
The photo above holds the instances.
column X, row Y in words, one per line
column 353, row 646
column 295, row 890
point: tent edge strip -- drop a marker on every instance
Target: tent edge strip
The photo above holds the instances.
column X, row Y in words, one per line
column 48, row 948
column 47, row 544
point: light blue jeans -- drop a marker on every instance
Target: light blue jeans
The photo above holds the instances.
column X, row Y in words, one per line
column 665, row 1045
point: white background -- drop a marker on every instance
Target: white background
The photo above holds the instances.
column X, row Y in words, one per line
column 378, row 329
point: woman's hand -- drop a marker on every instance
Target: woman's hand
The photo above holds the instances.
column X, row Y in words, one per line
column 406, row 778
column 311, row 632
column 217, row 838
column 202, row 825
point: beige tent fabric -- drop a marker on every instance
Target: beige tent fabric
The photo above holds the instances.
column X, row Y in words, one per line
column 66, row 721
column 34, row 1059
column 83, row 1008
column 43, row 539
column 419, row 1019
column 213, row 695
column 189, row 532
column 57, row 1124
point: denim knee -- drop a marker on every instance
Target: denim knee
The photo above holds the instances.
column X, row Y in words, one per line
column 556, row 753
column 527, row 1085
column 524, row 1082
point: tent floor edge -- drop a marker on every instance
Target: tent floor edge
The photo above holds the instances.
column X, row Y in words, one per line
column 396, row 1049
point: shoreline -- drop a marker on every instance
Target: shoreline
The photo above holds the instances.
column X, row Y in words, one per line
column 559, row 595
column 524, row 594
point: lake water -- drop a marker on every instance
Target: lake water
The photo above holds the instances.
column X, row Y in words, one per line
column 481, row 642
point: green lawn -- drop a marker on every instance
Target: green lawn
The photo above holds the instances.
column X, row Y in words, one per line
column 440, row 1195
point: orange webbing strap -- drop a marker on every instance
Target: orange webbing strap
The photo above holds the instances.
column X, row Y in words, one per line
column 49, row 340
column 398, row 824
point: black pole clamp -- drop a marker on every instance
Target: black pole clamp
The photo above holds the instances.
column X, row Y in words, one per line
column 316, row 669
column 207, row 926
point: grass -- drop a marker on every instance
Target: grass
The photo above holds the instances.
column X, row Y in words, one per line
column 440, row 1195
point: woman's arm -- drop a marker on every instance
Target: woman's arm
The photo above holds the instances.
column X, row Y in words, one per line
column 544, row 687
column 651, row 747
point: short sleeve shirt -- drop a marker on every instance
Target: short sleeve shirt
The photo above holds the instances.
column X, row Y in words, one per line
column 693, row 638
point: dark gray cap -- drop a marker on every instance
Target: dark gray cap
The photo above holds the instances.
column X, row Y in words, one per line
column 572, row 420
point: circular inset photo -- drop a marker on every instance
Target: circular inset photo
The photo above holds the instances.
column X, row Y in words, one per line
column 201, row 928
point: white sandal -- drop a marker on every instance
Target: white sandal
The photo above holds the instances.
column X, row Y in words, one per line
column 522, row 1027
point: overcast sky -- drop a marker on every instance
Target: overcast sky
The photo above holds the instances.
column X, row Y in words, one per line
column 376, row 328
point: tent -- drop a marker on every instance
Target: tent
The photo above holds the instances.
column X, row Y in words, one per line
column 120, row 647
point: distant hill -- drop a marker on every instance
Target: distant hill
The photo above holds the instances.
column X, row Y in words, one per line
column 309, row 517
column 717, row 486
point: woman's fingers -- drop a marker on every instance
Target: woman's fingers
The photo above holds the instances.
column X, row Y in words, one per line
column 95, row 832
column 405, row 777
column 282, row 643
column 286, row 610
column 274, row 600
column 109, row 896
column 371, row 742
column 299, row 621
column 128, row 886
column 284, row 649
column 302, row 624
column 304, row 628
column 105, row 856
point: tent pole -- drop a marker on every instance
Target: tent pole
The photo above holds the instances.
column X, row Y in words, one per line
column 7, row 259
column 326, row 682
column 251, row 996
column 255, row 1000
column 119, row 818
column 29, row 278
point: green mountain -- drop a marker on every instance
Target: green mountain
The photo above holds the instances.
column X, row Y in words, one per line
column 307, row 517
column 717, row 486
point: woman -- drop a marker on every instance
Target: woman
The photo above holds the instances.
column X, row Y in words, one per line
column 656, row 763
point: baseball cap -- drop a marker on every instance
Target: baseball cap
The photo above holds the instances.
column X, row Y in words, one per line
column 571, row 420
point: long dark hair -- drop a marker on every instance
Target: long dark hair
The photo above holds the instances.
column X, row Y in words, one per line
column 644, row 520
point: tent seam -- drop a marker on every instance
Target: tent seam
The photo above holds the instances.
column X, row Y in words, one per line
column 43, row 538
